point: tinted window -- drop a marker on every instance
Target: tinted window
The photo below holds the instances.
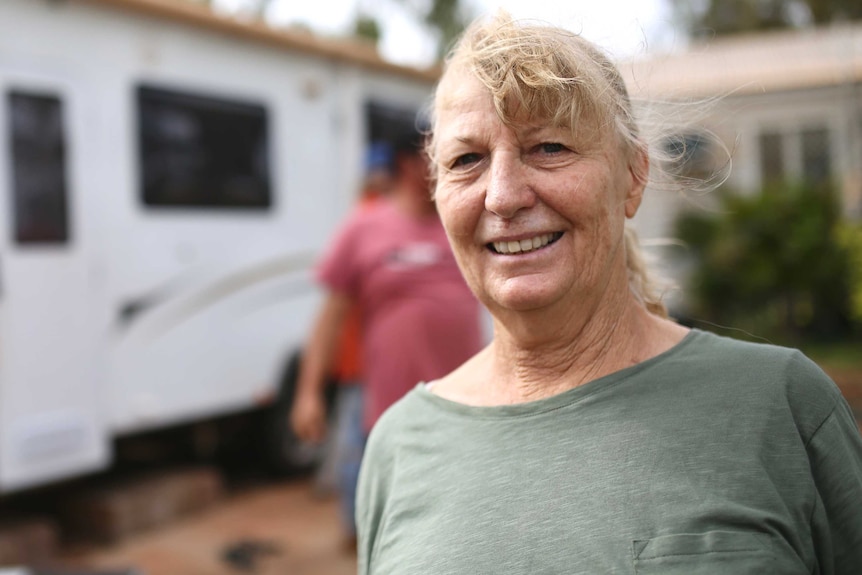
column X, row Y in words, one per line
column 386, row 122
column 37, row 144
column 202, row 151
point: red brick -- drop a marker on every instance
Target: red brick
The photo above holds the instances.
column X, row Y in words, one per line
column 28, row 541
column 110, row 512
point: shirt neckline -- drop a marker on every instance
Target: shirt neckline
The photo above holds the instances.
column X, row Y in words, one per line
column 560, row 400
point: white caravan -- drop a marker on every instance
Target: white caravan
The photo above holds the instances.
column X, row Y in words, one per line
column 167, row 179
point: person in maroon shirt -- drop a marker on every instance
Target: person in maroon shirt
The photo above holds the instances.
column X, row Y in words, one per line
column 419, row 318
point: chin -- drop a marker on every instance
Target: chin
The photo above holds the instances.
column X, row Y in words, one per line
column 522, row 299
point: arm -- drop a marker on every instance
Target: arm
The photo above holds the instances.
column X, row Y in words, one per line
column 308, row 414
column 836, row 464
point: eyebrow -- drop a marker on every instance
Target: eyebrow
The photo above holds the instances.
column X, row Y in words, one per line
column 531, row 130
column 468, row 141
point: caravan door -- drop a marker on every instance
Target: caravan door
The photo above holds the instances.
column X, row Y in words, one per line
column 50, row 421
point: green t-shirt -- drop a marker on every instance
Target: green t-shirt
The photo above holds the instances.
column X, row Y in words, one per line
column 716, row 456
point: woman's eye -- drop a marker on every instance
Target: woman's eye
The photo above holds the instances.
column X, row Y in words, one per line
column 466, row 160
column 551, row 148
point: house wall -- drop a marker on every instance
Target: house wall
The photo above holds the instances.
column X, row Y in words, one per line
column 739, row 121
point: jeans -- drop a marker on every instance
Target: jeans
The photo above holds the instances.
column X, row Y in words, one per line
column 347, row 445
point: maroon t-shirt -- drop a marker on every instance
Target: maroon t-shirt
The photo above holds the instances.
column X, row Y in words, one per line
column 419, row 319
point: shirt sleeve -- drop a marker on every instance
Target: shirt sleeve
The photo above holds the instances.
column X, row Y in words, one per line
column 835, row 452
column 371, row 494
column 339, row 268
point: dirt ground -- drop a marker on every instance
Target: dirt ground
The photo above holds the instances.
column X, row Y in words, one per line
column 273, row 529
column 266, row 530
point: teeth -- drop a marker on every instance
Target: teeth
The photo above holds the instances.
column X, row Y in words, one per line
column 522, row 246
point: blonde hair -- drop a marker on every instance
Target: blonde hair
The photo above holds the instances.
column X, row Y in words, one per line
column 552, row 73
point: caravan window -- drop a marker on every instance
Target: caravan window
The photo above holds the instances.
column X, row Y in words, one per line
column 202, row 152
column 38, row 151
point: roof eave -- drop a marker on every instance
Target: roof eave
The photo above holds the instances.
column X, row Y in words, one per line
column 340, row 50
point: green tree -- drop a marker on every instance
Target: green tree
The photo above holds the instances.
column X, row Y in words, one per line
column 446, row 18
column 772, row 263
column 722, row 17
column 367, row 28
column 823, row 11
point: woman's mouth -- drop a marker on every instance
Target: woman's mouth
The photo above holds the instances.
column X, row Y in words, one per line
column 526, row 245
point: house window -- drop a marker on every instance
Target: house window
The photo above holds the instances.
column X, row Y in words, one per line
column 772, row 158
column 199, row 151
column 816, row 155
column 38, row 150
column 689, row 154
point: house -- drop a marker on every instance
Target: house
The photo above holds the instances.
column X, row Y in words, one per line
column 782, row 106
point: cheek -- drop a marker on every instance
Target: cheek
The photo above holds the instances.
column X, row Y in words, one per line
column 583, row 201
column 456, row 211
column 445, row 209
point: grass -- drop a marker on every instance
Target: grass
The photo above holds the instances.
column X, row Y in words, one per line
column 844, row 355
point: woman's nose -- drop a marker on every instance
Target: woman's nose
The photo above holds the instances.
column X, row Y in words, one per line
column 508, row 189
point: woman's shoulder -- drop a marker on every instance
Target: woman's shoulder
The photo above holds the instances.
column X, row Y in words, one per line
column 736, row 355
column 406, row 417
column 772, row 373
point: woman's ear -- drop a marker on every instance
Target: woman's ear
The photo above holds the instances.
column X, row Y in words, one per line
column 638, row 176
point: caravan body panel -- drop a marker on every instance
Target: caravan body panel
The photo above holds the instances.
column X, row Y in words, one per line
column 151, row 311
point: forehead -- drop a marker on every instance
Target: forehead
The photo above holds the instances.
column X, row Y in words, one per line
column 463, row 101
column 460, row 89
column 463, row 106
column 464, row 110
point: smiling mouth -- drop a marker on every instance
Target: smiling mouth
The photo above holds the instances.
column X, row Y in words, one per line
column 524, row 246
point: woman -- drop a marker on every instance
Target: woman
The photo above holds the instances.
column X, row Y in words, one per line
column 593, row 435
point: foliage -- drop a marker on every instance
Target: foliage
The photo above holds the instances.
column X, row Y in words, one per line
column 850, row 238
column 837, row 355
column 773, row 263
column 721, row 17
column 367, row 28
column 447, row 18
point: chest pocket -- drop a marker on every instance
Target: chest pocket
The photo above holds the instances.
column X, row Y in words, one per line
column 710, row 553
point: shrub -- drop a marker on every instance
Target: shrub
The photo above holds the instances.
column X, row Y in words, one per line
column 849, row 237
column 776, row 263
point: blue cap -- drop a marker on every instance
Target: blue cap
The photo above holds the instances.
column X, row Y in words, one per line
column 378, row 156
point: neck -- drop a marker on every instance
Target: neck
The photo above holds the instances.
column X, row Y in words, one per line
column 537, row 357
column 413, row 202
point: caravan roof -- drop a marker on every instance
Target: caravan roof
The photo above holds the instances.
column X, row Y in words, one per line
column 198, row 15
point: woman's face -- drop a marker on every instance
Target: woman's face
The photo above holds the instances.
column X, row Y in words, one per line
column 534, row 213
